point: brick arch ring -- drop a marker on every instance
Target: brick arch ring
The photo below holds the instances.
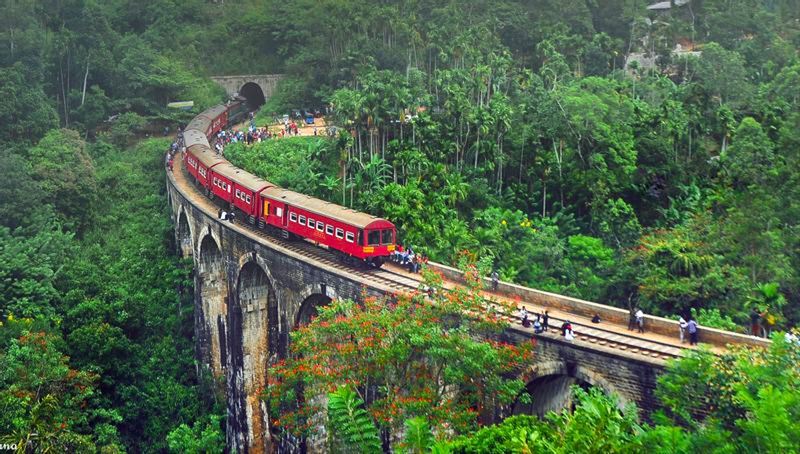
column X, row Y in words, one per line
column 183, row 211
column 593, row 378
column 205, row 231
column 308, row 291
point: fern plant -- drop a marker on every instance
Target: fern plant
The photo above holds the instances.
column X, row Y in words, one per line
column 351, row 427
column 418, row 437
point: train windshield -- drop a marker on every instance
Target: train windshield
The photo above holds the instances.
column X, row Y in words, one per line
column 387, row 236
column 374, row 238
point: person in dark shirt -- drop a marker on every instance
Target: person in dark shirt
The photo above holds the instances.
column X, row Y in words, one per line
column 692, row 328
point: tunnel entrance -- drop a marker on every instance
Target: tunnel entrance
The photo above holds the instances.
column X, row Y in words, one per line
column 254, row 95
column 549, row 393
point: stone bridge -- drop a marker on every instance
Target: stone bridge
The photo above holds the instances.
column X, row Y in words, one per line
column 257, row 88
column 251, row 292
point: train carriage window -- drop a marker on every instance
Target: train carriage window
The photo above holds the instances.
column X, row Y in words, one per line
column 278, row 211
column 293, row 217
column 386, row 236
column 302, row 220
column 320, row 226
column 248, row 199
column 374, row 238
column 311, row 223
column 238, row 194
column 350, row 237
column 329, row 229
column 339, row 233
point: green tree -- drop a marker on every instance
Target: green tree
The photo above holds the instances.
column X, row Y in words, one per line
column 66, row 174
column 43, row 396
column 399, row 357
column 200, row 438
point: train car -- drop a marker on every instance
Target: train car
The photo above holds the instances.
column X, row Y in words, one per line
column 219, row 119
column 221, row 184
column 237, row 109
column 352, row 233
column 201, row 161
column 200, row 123
column 192, row 139
column 244, row 191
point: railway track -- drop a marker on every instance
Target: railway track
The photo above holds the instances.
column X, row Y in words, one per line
column 586, row 334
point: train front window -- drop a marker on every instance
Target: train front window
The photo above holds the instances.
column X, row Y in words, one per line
column 386, row 236
column 374, row 238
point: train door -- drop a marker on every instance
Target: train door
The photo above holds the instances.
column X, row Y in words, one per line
column 265, row 212
column 285, row 217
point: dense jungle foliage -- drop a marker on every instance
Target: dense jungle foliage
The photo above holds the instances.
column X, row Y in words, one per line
column 512, row 129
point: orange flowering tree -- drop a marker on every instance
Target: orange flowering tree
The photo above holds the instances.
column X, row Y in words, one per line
column 437, row 355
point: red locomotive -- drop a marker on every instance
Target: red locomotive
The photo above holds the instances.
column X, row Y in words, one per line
column 354, row 235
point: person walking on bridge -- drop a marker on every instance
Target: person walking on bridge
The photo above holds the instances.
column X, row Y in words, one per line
column 640, row 320
column 545, row 321
column 692, row 328
column 495, row 280
column 682, row 324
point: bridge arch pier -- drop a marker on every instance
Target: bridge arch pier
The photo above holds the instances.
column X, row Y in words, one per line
column 184, row 239
column 211, row 288
column 253, row 338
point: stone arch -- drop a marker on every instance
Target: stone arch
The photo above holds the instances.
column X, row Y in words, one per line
column 257, row 312
column 183, row 235
column 254, row 94
column 309, row 308
column 549, row 385
column 212, row 290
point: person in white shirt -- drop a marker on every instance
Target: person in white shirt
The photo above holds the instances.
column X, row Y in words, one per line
column 640, row 320
column 682, row 324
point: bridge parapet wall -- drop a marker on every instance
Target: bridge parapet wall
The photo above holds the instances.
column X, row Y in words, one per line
column 612, row 314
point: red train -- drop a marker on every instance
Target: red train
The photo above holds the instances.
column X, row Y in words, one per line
column 353, row 234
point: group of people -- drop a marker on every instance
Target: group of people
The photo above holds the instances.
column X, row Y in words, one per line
column 408, row 258
column 540, row 324
column 174, row 147
column 229, row 216
column 636, row 321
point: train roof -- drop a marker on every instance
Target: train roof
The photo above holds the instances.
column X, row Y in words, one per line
column 199, row 123
column 204, row 154
column 242, row 177
column 215, row 111
column 327, row 209
column 192, row 137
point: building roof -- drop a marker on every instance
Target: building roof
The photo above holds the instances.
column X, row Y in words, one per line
column 662, row 6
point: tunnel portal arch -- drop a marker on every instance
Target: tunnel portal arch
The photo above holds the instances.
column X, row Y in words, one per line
column 254, row 94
